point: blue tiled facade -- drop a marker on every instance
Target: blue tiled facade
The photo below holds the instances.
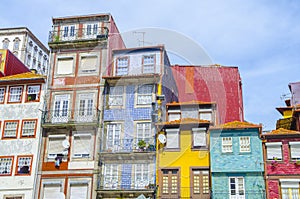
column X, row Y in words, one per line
column 245, row 165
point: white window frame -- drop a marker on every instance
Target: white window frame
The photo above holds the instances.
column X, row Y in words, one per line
column 33, row 90
column 29, row 127
column 111, row 176
column 227, row 145
column 116, row 96
column 206, row 114
column 142, row 129
column 70, row 64
column 86, row 109
column 122, row 66
column 15, row 93
column 59, row 185
column 144, row 94
column 114, row 131
column 239, row 192
column 148, row 64
column 10, row 131
column 172, row 139
column 53, row 151
column 295, row 150
column 61, row 108
column 289, row 188
column 175, row 115
column 87, row 153
column 199, row 137
column 141, row 175
column 80, row 183
column 26, row 161
column 90, row 68
column 8, row 166
column 245, row 144
column 2, row 94
column 276, row 152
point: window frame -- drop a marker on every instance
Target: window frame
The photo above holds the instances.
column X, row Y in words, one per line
column 11, row 166
column 4, row 94
column 15, row 196
column 30, row 167
column 89, row 71
column 223, row 145
column 273, row 145
column 247, row 146
column 144, row 173
column 237, row 190
column 292, row 152
column 175, row 131
column 9, row 94
column 34, row 131
column 65, row 57
column 5, row 43
column 79, row 182
column 38, row 94
column 148, row 95
column 117, row 65
column 90, row 150
column 199, row 130
column 113, row 95
column 175, row 112
column 113, row 177
column 3, row 131
column 111, row 143
column 60, row 137
column 145, row 65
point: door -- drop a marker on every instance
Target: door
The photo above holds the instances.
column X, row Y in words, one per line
column 113, row 137
column 61, row 108
column 236, row 188
column 169, row 185
column 200, row 184
column 85, row 108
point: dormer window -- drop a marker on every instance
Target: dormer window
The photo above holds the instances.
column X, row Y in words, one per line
column 148, row 64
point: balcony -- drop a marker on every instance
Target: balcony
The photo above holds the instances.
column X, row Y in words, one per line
column 84, row 117
column 127, row 149
column 124, row 186
column 77, row 37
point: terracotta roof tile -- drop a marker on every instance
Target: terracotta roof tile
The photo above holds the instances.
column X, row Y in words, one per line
column 184, row 121
column 237, row 124
column 282, row 131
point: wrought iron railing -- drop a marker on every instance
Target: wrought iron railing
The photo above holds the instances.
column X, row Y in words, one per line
column 71, row 116
column 78, row 34
column 128, row 145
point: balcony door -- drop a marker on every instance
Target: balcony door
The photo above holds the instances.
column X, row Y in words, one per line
column 114, row 137
column 85, row 108
column 61, row 108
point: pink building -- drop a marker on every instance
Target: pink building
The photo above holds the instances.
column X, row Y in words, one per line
column 281, row 149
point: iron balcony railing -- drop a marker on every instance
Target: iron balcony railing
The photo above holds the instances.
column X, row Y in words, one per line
column 78, row 34
column 71, row 116
column 125, row 182
column 114, row 145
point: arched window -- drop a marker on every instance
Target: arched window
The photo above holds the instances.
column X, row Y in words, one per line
column 5, row 43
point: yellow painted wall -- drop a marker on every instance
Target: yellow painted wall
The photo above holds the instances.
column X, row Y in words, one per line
column 287, row 114
column 2, row 59
column 183, row 159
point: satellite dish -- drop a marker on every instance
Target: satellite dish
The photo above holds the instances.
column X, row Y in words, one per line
column 66, row 144
column 162, row 138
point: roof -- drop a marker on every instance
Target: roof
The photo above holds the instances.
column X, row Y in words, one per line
column 237, row 125
column 282, row 109
column 184, row 121
column 190, row 103
column 282, row 131
column 80, row 16
column 22, row 76
column 137, row 49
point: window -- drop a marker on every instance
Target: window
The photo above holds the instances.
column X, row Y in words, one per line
column 28, row 60
column 5, row 43
column 245, row 144
column 16, row 43
column 148, row 64
column 15, row 94
column 295, row 150
column 82, row 145
column 29, row 47
column 174, row 115
column 65, row 65
column 52, row 190
column 66, row 31
column 116, row 96
column 13, row 197
column 6, row 164
column 89, row 29
column 95, row 29
column 86, row 107
column 200, row 183
column 289, row 188
column 78, row 190
column 35, row 51
column 61, row 108
column 113, row 137
column 10, row 129
column 236, row 188
column 141, row 175
column 170, row 183
column 274, row 150
column 205, row 114
column 143, row 131
column 88, row 63
column 24, row 165
column 33, row 93
column 72, row 31
column 172, row 139
column 55, row 145
column 29, row 128
column 2, row 95
column 226, row 144
column 111, row 177
column 199, row 137
column 122, row 66
column 144, row 94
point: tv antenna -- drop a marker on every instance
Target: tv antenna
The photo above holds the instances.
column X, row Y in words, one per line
column 143, row 37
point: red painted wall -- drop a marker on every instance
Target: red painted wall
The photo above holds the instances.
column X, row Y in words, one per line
column 13, row 65
column 212, row 84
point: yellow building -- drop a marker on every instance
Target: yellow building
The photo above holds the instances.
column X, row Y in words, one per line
column 183, row 152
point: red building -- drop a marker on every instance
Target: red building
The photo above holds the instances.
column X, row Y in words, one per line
column 282, row 163
column 213, row 83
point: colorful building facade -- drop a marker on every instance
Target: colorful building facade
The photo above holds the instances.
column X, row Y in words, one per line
column 236, row 161
column 80, row 53
column 132, row 103
column 183, row 150
column 212, row 83
column 21, row 99
column 282, row 163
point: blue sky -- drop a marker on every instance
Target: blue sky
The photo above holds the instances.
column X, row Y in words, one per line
column 261, row 37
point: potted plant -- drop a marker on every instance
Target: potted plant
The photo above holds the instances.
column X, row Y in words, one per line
column 274, row 162
column 297, row 162
column 142, row 145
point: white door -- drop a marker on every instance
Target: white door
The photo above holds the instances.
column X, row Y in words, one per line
column 85, row 108
column 61, row 108
column 113, row 137
column 236, row 188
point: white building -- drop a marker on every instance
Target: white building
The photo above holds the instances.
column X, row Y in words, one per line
column 21, row 102
column 26, row 47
